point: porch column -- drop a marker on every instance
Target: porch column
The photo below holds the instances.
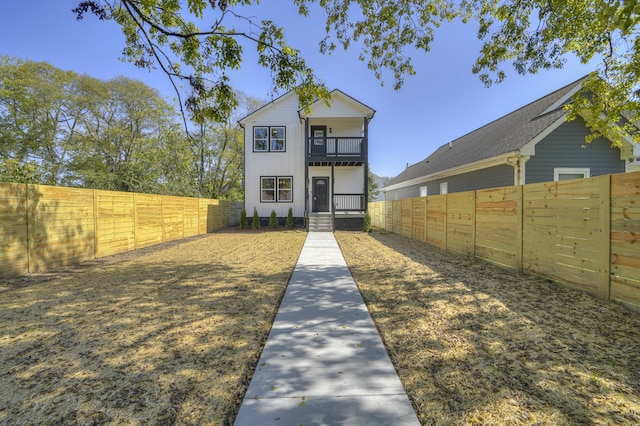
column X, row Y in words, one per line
column 333, row 187
column 365, row 152
column 306, row 168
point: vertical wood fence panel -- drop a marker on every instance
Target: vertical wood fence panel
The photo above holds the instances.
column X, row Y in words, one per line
column 13, row 229
column 61, row 226
column 43, row 227
column 115, row 222
column 497, row 224
column 583, row 232
column 625, row 238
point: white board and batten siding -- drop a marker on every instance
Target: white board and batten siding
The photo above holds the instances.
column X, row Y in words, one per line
column 348, row 180
column 280, row 164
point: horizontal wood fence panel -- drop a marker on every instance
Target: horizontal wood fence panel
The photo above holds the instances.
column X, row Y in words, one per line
column 418, row 218
column 148, row 220
column 43, row 227
column 388, row 219
column 191, row 216
column 172, row 218
column 563, row 234
column 625, row 238
column 437, row 221
column 406, row 219
column 583, row 232
column 13, row 229
column 115, row 220
column 461, row 207
column 61, row 226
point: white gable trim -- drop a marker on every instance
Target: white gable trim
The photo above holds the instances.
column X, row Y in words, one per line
column 554, row 106
column 338, row 96
column 266, row 107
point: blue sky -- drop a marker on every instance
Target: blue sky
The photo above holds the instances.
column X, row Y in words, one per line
column 443, row 101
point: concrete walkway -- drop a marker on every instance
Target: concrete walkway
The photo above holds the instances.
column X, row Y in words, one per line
column 324, row 362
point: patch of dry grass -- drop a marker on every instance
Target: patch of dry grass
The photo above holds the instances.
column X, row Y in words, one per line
column 170, row 337
column 475, row 344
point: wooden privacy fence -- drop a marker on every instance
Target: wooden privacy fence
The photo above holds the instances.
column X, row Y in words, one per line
column 42, row 227
column 584, row 232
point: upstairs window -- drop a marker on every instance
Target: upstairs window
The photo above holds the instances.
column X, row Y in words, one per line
column 269, row 139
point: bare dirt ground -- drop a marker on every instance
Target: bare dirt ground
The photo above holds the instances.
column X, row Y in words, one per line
column 476, row 344
column 165, row 335
column 171, row 335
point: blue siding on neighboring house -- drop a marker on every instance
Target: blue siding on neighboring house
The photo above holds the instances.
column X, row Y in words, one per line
column 566, row 147
column 492, row 177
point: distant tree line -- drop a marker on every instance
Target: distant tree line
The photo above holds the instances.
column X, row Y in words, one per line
column 61, row 128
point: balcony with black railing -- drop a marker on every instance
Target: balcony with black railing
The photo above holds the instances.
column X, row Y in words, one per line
column 338, row 150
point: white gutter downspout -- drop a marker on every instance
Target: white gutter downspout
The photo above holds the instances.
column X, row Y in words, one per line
column 518, row 162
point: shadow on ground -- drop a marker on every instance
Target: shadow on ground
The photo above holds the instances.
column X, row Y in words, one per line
column 474, row 343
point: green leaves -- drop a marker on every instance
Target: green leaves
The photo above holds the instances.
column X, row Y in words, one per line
column 198, row 42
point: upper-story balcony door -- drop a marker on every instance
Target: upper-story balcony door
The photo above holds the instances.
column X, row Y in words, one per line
column 319, row 140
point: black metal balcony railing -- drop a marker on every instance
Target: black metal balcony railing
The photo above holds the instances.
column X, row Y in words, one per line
column 349, row 202
column 335, row 147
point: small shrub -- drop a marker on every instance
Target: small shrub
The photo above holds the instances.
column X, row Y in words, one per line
column 366, row 223
column 243, row 219
column 273, row 220
column 290, row 222
column 255, row 223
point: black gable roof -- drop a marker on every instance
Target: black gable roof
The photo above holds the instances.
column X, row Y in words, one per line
column 506, row 134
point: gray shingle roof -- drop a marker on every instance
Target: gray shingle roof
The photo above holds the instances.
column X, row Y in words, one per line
column 506, row 134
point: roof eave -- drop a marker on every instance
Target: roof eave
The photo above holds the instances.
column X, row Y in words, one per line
column 465, row 168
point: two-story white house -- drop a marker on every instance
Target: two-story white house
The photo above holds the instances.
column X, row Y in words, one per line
column 313, row 160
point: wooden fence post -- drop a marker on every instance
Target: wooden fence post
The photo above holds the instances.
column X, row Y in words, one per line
column 604, row 277
column 520, row 228
column 473, row 225
column 31, row 228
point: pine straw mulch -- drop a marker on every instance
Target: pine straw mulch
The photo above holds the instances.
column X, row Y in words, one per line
column 476, row 344
column 168, row 335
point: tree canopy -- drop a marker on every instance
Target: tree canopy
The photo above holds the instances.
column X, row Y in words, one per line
column 61, row 128
column 200, row 41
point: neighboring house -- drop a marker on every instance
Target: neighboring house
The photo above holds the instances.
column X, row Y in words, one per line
column 313, row 160
column 532, row 144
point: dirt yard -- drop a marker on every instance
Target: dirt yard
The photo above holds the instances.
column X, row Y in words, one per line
column 475, row 344
column 171, row 334
column 166, row 335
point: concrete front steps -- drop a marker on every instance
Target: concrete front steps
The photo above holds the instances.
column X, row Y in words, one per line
column 320, row 222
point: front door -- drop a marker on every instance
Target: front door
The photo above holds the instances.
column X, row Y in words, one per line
column 320, row 194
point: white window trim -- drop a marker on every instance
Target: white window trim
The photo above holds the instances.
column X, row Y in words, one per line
column 276, row 189
column 557, row 171
column 444, row 187
column 424, row 191
column 270, row 140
